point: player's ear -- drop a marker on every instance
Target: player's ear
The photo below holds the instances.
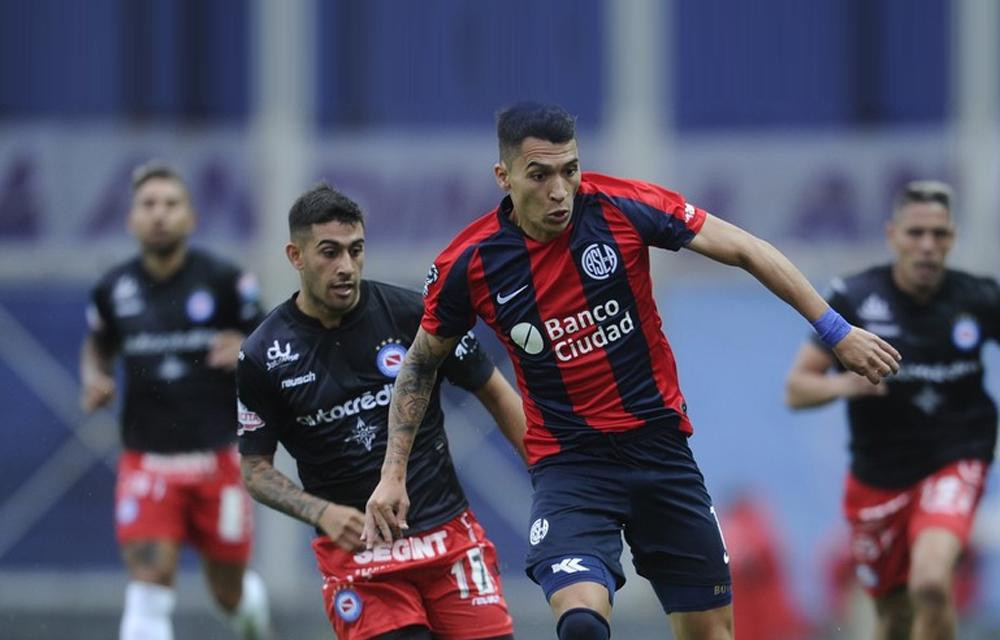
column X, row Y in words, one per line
column 502, row 175
column 294, row 255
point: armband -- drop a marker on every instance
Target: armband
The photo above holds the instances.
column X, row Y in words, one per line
column 831, row 328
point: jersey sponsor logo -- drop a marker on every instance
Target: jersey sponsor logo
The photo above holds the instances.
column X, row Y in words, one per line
column 347, row 604
column 528, row 337
column 146, row 343
column 247, row 419
column 504, row 298
column 364, row 434
column 200, row 306
column 126, row 297
column 539, row 529
column 563, row 332
column 410, row 549
column 278, row 356
column 937, row 372
column 875, row 309
column 306, row 378
column 432, row 277
column 569, row 565
column 365, row 402
column 599, row 261
column 884, row 329
column 389, row 358
column 965, row 333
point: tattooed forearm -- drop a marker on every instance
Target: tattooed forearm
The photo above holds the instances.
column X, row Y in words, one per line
column 414, row 385
column 269, row 486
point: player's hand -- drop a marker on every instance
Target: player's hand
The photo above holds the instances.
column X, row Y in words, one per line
column 867, row 354
column 385, row 513
column 225, row 349
column 97, row 390
column 856, row 386
column 343, row 525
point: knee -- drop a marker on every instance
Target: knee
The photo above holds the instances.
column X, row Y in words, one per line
column 583, row 624
column 930, row 593
column 227, row 596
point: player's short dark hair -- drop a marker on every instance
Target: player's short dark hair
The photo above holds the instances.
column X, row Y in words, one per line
column 320, row 205
column 532, row 120
column 923, row 191
column 154, row 170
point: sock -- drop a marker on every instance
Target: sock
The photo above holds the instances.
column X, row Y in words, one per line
column 252, row 619
column 147, row 612
column 582, row 624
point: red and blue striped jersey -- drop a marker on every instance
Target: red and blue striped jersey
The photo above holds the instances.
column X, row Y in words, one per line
column 576, row 314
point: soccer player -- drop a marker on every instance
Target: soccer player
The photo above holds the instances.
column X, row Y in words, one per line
column 560, row 271
column 920, row 442
column 176, row 316
column 317, row 376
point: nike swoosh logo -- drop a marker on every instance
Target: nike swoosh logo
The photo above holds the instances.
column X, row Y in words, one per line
column 504, row 299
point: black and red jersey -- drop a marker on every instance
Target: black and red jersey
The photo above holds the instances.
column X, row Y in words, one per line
column 937, row 410
column 576, row 314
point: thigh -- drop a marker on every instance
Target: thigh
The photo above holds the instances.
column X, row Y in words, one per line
column 369, row 602
column 948, row 499
column 463, row 592
column 148, row 505
column 674, row 534
column 879, row 519
column 577, row 510
column 220, row 516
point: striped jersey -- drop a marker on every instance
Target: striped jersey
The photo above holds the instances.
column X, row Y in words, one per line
column 576, row 314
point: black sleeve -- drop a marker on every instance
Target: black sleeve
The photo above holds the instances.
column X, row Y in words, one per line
column 468, row 366
column 101, row 320
column 258, row 417
column 993, row 304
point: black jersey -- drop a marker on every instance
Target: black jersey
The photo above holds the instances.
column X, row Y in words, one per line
column 937, row 410
column 173, row 401
column 324, row 394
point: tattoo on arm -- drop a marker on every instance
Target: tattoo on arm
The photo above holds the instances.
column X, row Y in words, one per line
column 273, row 488
column 414, row 385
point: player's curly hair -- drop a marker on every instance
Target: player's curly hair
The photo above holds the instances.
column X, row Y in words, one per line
column 320, row 205
column 532, row 120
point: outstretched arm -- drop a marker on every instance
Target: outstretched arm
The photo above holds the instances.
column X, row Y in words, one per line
column 859, row 350
column 385, row 513
column 810, row 384
column 269, row 486
column 505, row 406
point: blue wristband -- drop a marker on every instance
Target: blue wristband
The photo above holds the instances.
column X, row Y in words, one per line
column 831, row 328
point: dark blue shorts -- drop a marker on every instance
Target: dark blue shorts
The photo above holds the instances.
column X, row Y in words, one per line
column 646, row 485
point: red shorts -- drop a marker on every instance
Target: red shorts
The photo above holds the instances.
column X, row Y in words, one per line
column 445, row 579
column 885, row 522
column 195, row 497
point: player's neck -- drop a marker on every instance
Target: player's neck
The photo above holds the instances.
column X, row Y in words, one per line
column 329, row 318
column 163, row 265
column 919, row 294
column 535, row 233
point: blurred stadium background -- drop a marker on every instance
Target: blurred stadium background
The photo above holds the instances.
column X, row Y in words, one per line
column 797, row 120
